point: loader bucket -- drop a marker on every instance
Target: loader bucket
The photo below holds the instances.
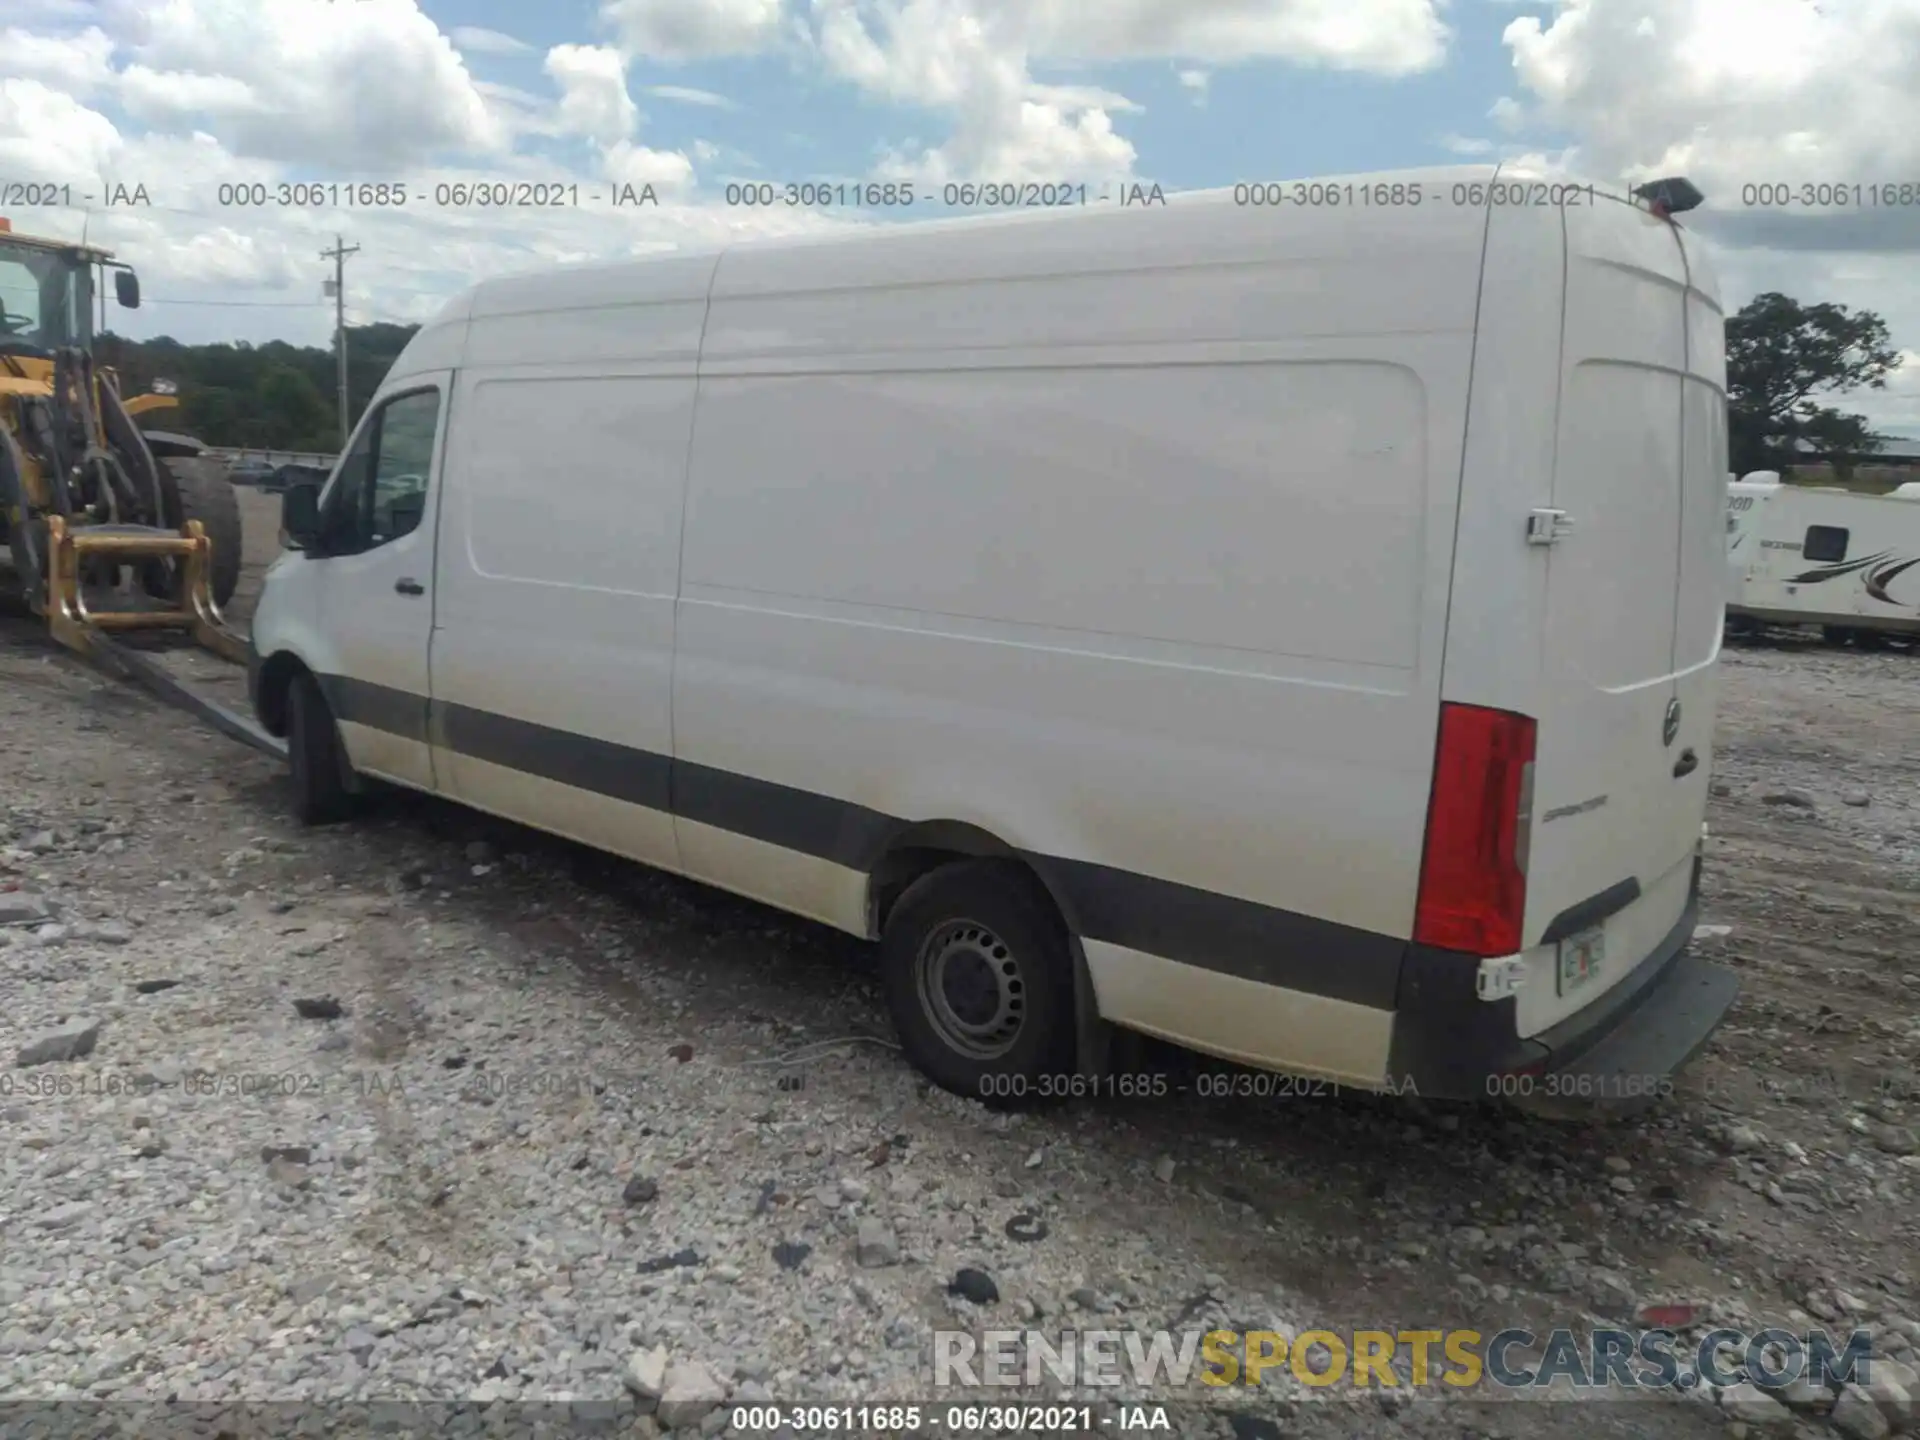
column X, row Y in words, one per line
column 78, row 627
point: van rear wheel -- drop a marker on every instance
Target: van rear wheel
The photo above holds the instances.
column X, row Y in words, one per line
column 979, row 981
column 322, row 777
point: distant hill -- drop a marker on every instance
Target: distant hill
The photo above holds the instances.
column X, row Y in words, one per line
column 259, row 397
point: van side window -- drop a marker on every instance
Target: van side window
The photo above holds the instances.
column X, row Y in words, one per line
column 1825, row 543
column 381, row 490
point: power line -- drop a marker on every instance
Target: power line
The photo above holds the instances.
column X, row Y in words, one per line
column 235, row 304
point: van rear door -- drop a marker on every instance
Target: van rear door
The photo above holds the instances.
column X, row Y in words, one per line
column 1634, row 606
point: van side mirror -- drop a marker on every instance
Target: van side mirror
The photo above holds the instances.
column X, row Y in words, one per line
column 126, row 289
column 300, row 516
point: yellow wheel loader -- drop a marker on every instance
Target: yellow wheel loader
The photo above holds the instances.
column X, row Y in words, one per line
column 104, row 525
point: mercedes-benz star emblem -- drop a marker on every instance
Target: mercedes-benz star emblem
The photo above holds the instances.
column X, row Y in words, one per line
column 1670, row 727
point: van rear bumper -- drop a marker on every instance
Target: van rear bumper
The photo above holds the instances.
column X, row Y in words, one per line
column 1624, row 1048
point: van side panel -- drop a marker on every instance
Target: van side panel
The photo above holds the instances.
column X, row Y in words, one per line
column 552, row 660
column 1140, row 568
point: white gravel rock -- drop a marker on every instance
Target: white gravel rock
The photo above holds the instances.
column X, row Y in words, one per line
column 646, row 1375
column 1856, row 1416
column 1894, row 1386
column 692, row 1393
column 1749, row 1404
column 74, row 1042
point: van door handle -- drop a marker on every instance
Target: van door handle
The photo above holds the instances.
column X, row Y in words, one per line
column 409, row 586
column 1685, row 765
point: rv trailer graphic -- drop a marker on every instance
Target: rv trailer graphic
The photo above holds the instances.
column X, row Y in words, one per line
column 1878, row 580
column 1881, row 570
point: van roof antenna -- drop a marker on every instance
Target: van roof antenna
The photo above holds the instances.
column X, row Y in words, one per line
column 1666, row 198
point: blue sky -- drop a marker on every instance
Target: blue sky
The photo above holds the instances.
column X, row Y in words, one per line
column 186, row 97
column 1275, row 118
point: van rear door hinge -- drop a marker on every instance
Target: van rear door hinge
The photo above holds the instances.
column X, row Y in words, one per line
column 1546, row 527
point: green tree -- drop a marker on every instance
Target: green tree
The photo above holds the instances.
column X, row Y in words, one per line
column 291, row 408
column 1780, row 356
column 270, row 396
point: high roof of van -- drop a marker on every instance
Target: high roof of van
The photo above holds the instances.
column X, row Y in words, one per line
column 522, row 290
column 1343, row 213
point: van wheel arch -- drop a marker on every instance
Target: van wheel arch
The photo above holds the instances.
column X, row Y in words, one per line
column 277, row 674
column 927, row 845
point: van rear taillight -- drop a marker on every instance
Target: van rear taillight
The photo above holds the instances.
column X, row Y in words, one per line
column 1473, row 882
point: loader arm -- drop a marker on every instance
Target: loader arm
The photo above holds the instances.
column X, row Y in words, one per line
column 142, row 404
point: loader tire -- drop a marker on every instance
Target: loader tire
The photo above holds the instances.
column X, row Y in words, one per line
column 204, row 493
column 322, row 777
column 27, row 548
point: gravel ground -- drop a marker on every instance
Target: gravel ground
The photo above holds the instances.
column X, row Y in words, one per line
column 435, row 1108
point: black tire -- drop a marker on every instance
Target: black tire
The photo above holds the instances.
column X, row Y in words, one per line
column 202, row 491
column 979, row 980
column 1835, row 634
column 27, row 547
column 323, row 789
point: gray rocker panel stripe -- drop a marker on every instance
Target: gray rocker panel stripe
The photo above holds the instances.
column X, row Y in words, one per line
column 1141, row 912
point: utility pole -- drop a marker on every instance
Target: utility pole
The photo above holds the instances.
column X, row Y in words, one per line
column 338, row 285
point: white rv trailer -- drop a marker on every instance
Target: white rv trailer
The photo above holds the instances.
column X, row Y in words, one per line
column 1745, row 496
column 1842, row 560
column 1289, row 632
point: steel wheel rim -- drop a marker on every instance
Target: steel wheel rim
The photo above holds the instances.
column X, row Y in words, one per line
column 972, row 989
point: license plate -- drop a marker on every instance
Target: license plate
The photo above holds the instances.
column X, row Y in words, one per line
column 1581, row 957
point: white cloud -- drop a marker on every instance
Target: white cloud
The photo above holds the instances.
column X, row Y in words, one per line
column 366, row 88
column 44, row 11
column 1466, row 145
column 483, row 41
column 594, row 103
column 1079, row 97
column 47, row 135
column 974, row 59
column 1897, row 408
column 1730, row 91
column 686, row 95
column 1389, row 37
column 176, row 97
column 944, row 54
column 78, row 64
column 1195, row 83
column 692, row 29
column 636, row 165
column 1734, row 93
column 593, row 92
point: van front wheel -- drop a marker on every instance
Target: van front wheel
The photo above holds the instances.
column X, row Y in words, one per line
column 321, row 790
column 979, row 980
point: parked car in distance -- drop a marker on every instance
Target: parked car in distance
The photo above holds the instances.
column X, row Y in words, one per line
column 283, row 476
column 249, row 472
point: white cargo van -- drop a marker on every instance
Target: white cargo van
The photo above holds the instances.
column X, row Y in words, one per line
column 1287, row 631
column 1821, row 555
